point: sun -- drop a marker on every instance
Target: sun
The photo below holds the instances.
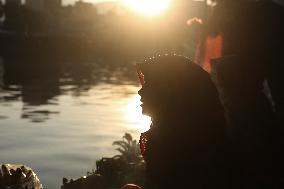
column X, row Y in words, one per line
column 148, row 7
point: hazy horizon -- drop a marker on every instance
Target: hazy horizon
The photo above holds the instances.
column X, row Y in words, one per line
column 66, row 2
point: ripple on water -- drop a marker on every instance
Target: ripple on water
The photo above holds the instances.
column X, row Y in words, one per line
column 61, row 122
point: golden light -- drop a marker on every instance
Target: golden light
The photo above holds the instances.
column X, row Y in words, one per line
column 133, row 113
column 148, row 7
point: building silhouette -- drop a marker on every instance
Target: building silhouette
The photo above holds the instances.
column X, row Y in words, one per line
column 35, row 5
column 13, row 2
column 43, row 5
column 12, row 11
column 52, row 4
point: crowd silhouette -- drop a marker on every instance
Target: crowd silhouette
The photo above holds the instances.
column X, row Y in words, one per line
column 193, row 143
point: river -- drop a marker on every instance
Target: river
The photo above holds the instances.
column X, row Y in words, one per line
column 59, row 117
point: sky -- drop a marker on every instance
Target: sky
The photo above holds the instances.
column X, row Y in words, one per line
column 66, row 2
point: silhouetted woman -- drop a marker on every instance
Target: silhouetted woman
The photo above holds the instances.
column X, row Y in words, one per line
column 183, row 148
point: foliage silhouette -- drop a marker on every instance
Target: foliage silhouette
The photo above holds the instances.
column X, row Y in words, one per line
column 114, row 172
column 128, row 148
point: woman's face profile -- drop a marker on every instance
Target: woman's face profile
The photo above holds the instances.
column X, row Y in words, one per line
column 148, row 100
column 144, row 94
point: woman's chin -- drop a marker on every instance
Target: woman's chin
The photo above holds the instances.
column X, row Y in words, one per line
column 145, row 111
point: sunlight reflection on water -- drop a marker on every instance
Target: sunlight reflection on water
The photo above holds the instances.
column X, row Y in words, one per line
column 68, row 143
column 60, row 126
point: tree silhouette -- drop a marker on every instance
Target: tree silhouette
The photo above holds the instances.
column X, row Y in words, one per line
column 128, row 148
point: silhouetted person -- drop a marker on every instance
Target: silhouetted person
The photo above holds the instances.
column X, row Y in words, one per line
column 183, row 148
column 252, row 48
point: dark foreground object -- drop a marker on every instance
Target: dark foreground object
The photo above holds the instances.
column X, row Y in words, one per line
column 115, row 172
column 18, row 177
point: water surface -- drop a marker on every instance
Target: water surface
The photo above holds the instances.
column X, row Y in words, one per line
column 60, row 117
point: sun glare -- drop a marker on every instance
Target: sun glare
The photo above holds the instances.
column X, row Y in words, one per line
column 148, row 7
column 134, row 115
